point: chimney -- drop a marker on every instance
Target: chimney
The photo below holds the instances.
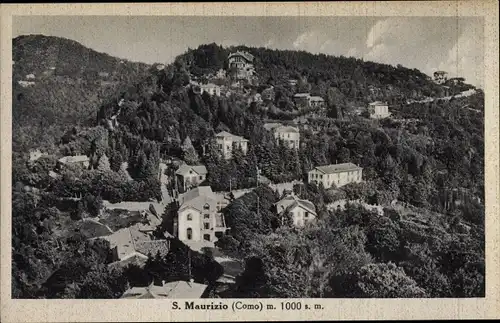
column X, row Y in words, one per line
column 163, row 283
column 191, row 280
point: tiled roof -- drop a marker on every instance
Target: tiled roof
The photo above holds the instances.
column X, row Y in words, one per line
column 301, row 95
column 316, row 98
column 290, row 202
column 74, row 159
column 153, row 247
column 226, row 134
column 184, row 169
column 272, row 125
column 177, row 289
column 378, row 103
column 246, row 55
column 286, row 129
column 197, row 198
column 337, row 168
column 131, row 240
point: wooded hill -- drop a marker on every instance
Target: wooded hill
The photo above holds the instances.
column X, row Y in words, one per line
column 430, row 155
column 70, row 82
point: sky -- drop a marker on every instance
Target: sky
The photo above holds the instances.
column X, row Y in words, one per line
column 452, row 44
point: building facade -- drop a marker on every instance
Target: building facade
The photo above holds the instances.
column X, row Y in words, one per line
column 190, row 176
column 336, row 175
column 199, row 216
column 210, row 88
column 301, row 211
column 288, row 134
column 378, row 110
column 81, row 160
column 227, row 141
column 243, row 63
column 306, row 100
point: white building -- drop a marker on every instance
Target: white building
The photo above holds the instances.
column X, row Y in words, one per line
column 302, row 211
column 82, row 160
column 288, row 134
column 306, row 100
column 243, row 63
column 378, row 110
column 210, row 88
column 226, row 142
column 336, row 175
column 191, row 176
column 200, row 220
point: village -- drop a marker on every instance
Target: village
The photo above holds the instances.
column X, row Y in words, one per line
column 199, row 220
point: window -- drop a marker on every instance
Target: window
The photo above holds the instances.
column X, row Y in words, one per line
column 201, row 178
column 206, row 237
column 189, row 232
column 220, row 146
column 206, row 216
column 206, row 207
column 190, row 172
column 306, row 214
column 189, row 217
column 206, row 225
column 288, row 135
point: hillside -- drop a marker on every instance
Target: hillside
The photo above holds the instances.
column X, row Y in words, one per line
column 58, row 83
column 424, row 166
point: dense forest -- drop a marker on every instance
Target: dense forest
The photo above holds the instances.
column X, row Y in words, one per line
column 429, row 156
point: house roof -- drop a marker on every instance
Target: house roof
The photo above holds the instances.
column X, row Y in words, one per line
column 225, row 134
column 286, row 129
column 177, row 289
column 153, row 247
column 184, row 170
column 272, row 125
column 378, row 103
column 246, row 55
column 209, row 85
column 301, row 95
column 290, row 202
column 316, row 98
column 197, row 198
column 74, row 159
column 132, row 206
column 132, row 241
column 337, row 168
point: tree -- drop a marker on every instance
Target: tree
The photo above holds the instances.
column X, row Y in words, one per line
column 104, row 164
column 387, row 281
column 189, row 153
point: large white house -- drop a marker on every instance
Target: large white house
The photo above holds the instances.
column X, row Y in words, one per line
column 307, row 100
column 190, row 176
column 336, row 175
column 243, row 63
column 302, row 211
column 288, row 134
column 227, row 141
column 200, row 221
column 378, row 110
column 210, row 88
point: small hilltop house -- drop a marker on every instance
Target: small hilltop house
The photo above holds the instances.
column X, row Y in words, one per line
column 190, row 176
column 378, row 110
column 226, row 142
column 288, row 134
column 243, row 63
column 302, row 211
